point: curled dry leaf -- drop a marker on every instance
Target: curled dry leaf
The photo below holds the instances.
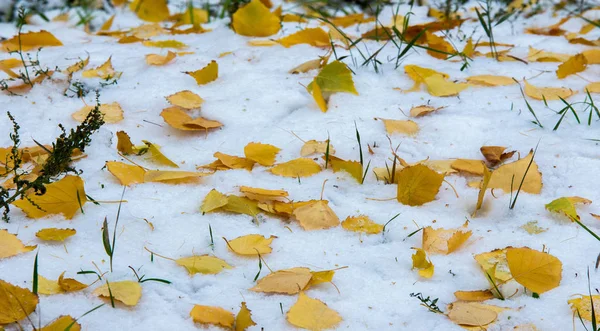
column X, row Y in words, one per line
column 160, row 60
column 113, row 113
column 442, row 241
column 250, row 245
column 65, row 196
column 312, row 314
column 185, row 99
column 314, row 146
column 207, row 74
column 212, row 315
column 421, row 110
column 179, row 119
column 128, row 292
column 70, row 284
column 10, row 245
column 495, row 154
column 104, row 71
column 422, row 263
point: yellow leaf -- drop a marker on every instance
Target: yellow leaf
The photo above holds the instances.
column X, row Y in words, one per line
column 105, row 71
column 172, row 177
column 288, row 281
column 47, row 286
column 422, row 110
column 54, row 234
column 177, row 118
column 349, row 20
column 159, row 60
column 107, row 24
column 262, row 42
column 185, row 99
column 30, row 40
column 129, row 40
column 354, row 168
column 592, row 56
column 260, row 194
column 312, row 36
column 10, row 245
column 496, row 261
column 157, row 156
column 318, row 95
column 483, row 186
column 336, row 77
column 113, row 113
column 495, row 154
column 213, row 200
column 127, row 291
column 250, row 245
column 300, row 167
column 471, row 314
column 573, row 65
column 582, row 306
column 593, row 87
column 362, row 223
column 490, row 80
column 165, row 44
column 263, row 154
column 212, row 315
column 203, row 264
column 422, row 263
column 510, row 176
column 550, row 93
column 192, row 15
column 319, row 277
column 316, row 215
column 312, row 314
column 537, row 271
column 150, row 10
column 438, row 45
column 302, row 68
column 125, row 173
column 207, row 74
column 418, row 184
column 79, row 65
column 438, row 86
column 538, row 55
column 443, row 241
column 255, row 20
column 419, row 74
column 482, row 295
column 66, row 196
column 243, row 320
column 234, row 162
column 124, row 144
column 16, row 303
column 241, row 205
column 62, row 323
column 474, row 167
column 313, row 146
column 406, row 127
column 70, row 284
column 532, row 228
column 566, row 206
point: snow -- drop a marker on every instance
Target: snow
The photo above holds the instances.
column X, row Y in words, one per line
column 259, row 101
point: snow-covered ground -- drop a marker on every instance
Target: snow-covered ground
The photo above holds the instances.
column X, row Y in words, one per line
column 258, row 100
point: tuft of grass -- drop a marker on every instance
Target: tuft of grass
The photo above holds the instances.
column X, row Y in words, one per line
column 108, row 246
column 388, row 222
column 212, row 241
column 537, row 120
column 142, row 279
column 427, row 302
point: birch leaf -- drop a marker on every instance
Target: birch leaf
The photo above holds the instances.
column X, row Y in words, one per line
column 255, row 20
column 207, row 74
column 128, row 292
column 418, row 184
column 65, row 196
column 312, row 314
column 203, row 264
column 250, row 245
column 537, row 271
column 10, row 245
column 212, row 315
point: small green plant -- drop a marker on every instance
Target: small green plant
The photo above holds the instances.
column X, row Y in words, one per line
column 513, row 202
column 57, row 164
column 109, row 246
column 142, row 279
column 428, row 303
column 488, row 20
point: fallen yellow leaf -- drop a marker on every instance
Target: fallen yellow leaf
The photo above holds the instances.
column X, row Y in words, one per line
column 422, row 263
column 112, row 112
column 207, row 74
column 128, row 292
column 537, row 271
column 250, row 245
column 10, row 245
column 16, row 303
column 255, row 20
column 54, row 234
column 288, row 281
column 212, row 315
column 301, row 167
column 30, row 40
column 316, row 215
column 160, row 60
column 203, row 264
column 362, row 223
column 418, row 184
column 65, row 196
column 185, row 99
column 312, row 314
column 263, row 154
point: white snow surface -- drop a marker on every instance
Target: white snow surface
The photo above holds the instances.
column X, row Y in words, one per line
column 259, row 101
